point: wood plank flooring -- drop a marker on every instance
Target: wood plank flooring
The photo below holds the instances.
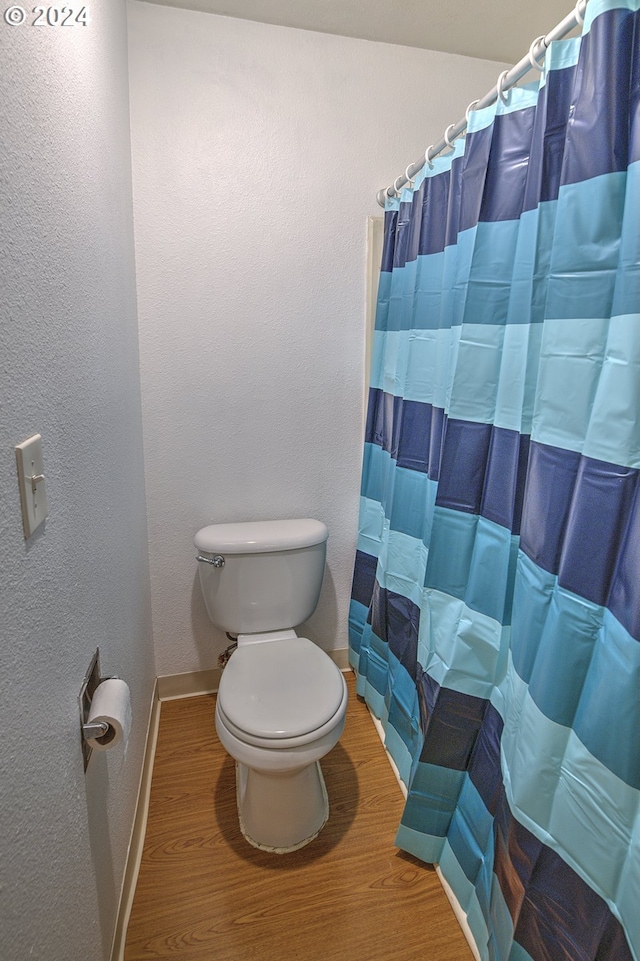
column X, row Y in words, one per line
column 204, row 894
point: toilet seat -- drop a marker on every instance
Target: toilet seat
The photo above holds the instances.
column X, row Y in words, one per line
column 281, row 693
column 284, row 743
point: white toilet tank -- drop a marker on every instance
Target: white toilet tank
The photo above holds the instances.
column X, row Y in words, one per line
column 270, row 576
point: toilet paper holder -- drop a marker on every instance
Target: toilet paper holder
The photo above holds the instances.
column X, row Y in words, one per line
column 92, row 679
column 94, row 730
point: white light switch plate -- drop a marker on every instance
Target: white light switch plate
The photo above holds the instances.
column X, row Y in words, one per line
column 33, row 495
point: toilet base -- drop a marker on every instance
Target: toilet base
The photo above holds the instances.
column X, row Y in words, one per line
column 281, row 812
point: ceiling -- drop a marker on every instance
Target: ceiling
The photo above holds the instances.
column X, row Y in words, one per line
column 492, row 29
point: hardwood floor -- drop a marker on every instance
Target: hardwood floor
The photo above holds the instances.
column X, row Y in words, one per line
column 204, row 894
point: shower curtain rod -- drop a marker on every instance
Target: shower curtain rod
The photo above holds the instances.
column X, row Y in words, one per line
column 508, row 78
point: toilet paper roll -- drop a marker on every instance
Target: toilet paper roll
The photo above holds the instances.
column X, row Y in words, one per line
column 111, row 703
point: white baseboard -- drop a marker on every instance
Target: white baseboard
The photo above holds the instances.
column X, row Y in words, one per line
column 341, row 659
column 459, row 913
column 461, row 917
column 192, row 683
column 136, row 842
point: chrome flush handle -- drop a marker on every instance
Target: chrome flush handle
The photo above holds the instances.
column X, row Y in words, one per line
column 216, row 561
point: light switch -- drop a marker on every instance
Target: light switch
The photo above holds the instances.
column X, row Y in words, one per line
column 33, row 495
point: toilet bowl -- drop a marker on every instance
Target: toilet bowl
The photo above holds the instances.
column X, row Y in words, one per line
column 281, row 701
column 280, row 708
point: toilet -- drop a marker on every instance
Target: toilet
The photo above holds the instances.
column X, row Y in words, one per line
column 282, row 701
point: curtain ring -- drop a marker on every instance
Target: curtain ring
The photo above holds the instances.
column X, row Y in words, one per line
column 449, row 143
column 427, row 157
column 409, row 179
column 532, row 57
column 500, row 84
column 395, row 185
column 578, row 14
column 469, row 109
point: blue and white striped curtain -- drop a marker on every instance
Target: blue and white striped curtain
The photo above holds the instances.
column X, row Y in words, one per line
column 495, row 620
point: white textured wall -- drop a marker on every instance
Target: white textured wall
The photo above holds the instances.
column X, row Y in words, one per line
column 69, row 370
column 257, row 153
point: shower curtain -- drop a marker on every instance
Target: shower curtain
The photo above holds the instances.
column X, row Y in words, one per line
column 495, row 615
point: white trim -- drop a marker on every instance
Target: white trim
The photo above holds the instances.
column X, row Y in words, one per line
column 375, row 243
column 341, row 659
column 459, row 913
column 394, row 767
column 138, row 832
column 457, row 909
column 171, row 687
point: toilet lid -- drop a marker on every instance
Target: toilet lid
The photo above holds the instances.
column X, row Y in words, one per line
column 280, row 689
